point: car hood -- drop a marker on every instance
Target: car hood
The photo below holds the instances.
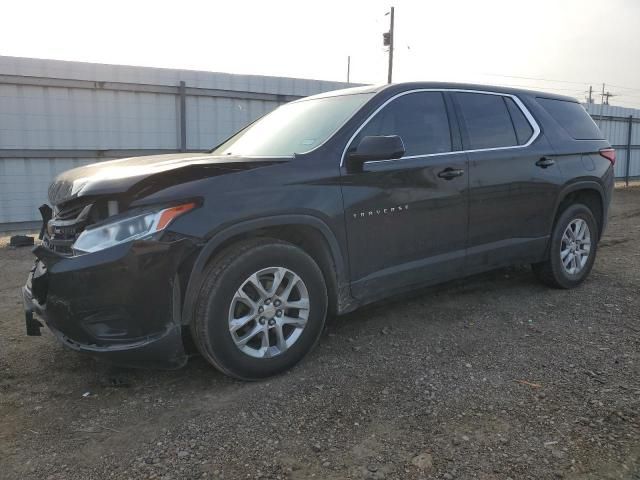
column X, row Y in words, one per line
column 120, row 176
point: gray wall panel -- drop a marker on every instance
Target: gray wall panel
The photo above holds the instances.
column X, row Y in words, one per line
column 86, row 110
column 634, row 170
column 94, row 108
column 24, row 183
column 45, row 117
column 211, row 120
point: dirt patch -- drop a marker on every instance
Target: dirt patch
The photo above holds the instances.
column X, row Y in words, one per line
column 493, row 377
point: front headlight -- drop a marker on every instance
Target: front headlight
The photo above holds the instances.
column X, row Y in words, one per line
column 135, row 227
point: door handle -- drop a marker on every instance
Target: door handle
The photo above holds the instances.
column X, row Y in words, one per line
column 450, row 173
column 545, row 162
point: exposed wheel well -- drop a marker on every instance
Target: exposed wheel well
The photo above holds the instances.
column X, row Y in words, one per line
column 306, row 238
column 589, row 197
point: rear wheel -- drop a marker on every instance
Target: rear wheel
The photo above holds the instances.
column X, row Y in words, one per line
column 261, row 309
column 572, row 248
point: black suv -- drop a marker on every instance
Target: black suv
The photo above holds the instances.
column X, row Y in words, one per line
column 325, row 204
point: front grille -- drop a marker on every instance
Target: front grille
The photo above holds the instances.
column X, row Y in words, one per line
column 65, row 226
column 68, row 213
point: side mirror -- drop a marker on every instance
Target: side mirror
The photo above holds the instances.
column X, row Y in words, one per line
column 375, row 148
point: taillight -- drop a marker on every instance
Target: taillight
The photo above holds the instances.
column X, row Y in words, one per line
column 609, row 154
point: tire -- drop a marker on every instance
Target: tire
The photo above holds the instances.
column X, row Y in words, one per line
column 552, row 271
column 228, row 280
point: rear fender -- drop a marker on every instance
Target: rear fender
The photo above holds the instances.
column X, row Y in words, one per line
column 574, row 187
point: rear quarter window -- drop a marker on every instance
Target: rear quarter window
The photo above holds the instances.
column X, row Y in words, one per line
column 573, row 118
column 523, row 128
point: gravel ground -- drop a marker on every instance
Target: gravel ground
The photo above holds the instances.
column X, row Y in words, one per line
column 493, row 377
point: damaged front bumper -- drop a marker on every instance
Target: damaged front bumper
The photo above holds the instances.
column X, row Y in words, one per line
column 121, row 304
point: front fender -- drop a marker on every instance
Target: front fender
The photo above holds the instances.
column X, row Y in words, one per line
column 213, row 244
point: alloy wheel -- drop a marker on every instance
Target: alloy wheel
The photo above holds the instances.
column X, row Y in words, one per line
column 269, row 312
column 575, row 246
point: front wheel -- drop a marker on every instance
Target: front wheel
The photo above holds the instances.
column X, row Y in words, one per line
column 261, row 309
column 572, row 248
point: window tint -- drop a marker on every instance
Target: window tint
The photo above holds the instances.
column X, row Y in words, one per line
column 573, row 118
column 487, row 121
column 420, row 119
column 520, row 122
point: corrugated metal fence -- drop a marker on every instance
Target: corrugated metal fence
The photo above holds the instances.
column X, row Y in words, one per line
column 621, row 126
column 57, row 115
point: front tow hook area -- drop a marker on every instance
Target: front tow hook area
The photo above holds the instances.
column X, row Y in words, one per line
column 33, row 325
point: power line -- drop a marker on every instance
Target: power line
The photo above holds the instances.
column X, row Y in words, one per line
column 626, row 88
column 547, row 88
column 605, row 95
column 637, row 89
column 628, row 95
column 536, row 78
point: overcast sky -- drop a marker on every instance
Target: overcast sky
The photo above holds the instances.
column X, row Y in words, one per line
column 568, row 43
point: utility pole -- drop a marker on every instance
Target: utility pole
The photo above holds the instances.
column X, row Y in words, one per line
column 388, row 40
column 601, row 107
column 348, row 68
column 590, row 97
column 604, row 97
column 607, row 96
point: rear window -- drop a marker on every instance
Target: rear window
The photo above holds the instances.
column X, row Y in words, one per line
column 573, row 118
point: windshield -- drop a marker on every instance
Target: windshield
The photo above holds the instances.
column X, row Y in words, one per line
column 296, row 127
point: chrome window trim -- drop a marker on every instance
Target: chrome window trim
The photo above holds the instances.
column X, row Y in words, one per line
column 518, row 102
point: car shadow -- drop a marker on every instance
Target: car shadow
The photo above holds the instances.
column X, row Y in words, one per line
column 500, row 279
column 198, row 374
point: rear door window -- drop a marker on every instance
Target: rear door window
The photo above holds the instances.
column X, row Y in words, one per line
column 487, row 121
column 419, row 118
column 573, row 118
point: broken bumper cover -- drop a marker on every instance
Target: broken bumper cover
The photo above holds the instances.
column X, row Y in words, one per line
column 121, row 304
